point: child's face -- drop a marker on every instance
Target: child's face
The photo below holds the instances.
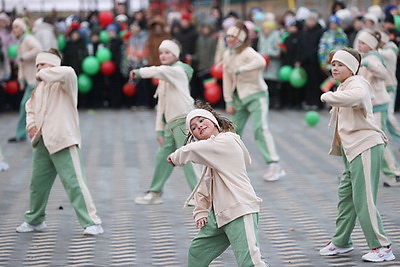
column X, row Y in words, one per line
column 232, row 41
column 166, row 57
column 340, row 72
column 202, row 128
column 363, row 47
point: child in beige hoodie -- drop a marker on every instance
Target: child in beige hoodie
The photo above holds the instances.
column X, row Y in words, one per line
column 226, row 206
column 360, row 142
column 374, row 71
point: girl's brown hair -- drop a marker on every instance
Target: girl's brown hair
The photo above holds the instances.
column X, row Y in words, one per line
column 55, row 52
column 224, row 123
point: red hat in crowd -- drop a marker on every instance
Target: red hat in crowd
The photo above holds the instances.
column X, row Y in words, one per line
column 186, row 16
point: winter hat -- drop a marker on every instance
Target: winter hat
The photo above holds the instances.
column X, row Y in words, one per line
column 200, row 113
column 5, row 17
column 186, row 16
column 372, row 17
column 368, row 39
column 170, row 46
column 112, row 28
column 48, row 58
column 228, row 22
column 335, row 19
column 269, row 24
column 347, row 59
column 344, row 15
column 20, row 23
column 236, row 32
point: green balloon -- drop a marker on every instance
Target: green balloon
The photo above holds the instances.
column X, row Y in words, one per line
column 91, row 65
column 84, row 83
column 284, row 36
column 103, row 54
column 12, row 51
column 298, row 77
column 397, row 22
column 312, row 118
column 61, row 42
column 104, row 37
column 285, row 72
column 122, row 33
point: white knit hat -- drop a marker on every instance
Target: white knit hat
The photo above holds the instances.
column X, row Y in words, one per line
column 20, row 23
column 368, row 39
column 200, row 113
column 347, row 59
column 48, row 58
column 170, row 46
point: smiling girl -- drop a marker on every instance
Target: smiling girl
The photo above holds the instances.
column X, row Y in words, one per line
column 360, row 142
column 226, row 206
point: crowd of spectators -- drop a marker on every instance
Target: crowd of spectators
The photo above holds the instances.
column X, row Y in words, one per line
column 299, row 38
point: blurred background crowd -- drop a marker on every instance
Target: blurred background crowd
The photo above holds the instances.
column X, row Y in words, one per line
column 104, row 45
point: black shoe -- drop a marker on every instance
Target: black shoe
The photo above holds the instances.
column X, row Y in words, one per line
column 16, row 140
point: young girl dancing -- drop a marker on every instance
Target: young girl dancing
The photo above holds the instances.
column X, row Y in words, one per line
column 360, row 142
column 226, row 206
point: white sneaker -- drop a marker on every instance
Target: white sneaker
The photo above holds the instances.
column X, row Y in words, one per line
column 95, row 229
column 4, row 166
column 149, row 198
column 26, row 227
column 330, row 249
column 392, row 182
column 379, row 254
column 274, row 173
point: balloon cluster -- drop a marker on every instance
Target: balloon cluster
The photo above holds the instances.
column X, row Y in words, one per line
column 297, row 77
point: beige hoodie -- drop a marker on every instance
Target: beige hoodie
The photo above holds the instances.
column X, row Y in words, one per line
column 355, row 129
column 373, row 70
column 173, row 92
column 28, row 48
column 52, row 108
column 224, row 185
column 243, row 72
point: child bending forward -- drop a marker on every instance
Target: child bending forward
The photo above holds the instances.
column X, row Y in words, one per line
column 226, row 206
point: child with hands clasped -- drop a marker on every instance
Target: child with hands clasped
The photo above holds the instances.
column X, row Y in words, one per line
column 360, row 142
column 174, row 103
column 226, row 206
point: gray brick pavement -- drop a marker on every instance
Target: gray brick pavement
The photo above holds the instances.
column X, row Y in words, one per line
column 296, row 219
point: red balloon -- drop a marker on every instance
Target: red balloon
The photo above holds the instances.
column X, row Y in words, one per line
column 11, row 87
column 106, row 18
column 107, row 68
column 212, row 91
column 267, row 60
column 155, row 81
column 217, row 71
column 129, row 89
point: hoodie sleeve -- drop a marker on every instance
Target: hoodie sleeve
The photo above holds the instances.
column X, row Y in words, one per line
column 347, row 98
column 171, row 74
column 63, row 74
column 201, row 152
column 255, row 61
column 375, row 66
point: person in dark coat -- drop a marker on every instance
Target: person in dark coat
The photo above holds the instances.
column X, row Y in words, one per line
column 291, row 97
column 114, row 81
column 309, row 61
